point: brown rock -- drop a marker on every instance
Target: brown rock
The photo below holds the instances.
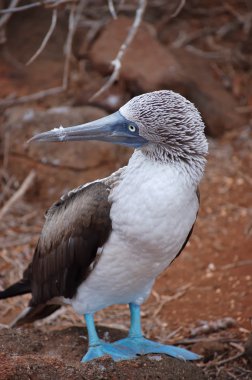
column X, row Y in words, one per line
column 216, row 105
column 147, row 65
column 209, row 349
column 33, row 354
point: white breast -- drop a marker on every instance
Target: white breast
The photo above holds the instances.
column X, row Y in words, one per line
column 153, row 210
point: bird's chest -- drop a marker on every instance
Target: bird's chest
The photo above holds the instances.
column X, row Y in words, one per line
column 153, row 211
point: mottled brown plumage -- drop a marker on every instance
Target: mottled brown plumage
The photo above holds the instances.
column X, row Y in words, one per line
column 75, row 228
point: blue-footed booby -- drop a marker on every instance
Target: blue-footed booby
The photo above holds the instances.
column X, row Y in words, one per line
column 105, row 242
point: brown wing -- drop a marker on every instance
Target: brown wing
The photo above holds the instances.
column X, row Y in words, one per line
column 75, row 228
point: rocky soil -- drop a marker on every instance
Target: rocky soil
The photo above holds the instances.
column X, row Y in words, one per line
column 56, row 355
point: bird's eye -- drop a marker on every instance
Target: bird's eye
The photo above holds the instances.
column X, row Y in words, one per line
column 132, row 128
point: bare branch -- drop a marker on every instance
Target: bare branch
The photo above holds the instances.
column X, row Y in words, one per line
column 56, row 3
column 13, row 9
column 112, row 9
column 117, row 62
column 18, row 194
column 68, row 46
column 6, row 150
column 237, row 264
column 179, row 8
column 189, row 341
column 204, row 54
column 165, row 299
column 47, row 3
column 232, row 358
column 74, row 18
column 208, row 327
column 4, row 19
column 10, row 101
column 185, row 38
column 46, row 38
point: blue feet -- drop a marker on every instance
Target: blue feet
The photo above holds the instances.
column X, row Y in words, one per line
column 143, row 346
column 103, row 349
column 129, row 348
column 97, row 348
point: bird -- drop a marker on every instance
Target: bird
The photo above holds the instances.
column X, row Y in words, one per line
column 106, row 241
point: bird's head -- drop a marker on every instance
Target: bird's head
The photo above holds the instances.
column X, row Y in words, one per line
column 170, row 124
column 163, row 124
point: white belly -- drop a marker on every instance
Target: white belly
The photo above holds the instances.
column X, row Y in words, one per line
column 153, row 210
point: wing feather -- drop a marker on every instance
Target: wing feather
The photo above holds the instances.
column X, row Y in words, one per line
column 75, row 228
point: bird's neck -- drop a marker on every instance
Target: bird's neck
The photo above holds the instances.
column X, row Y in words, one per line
column 191, row 169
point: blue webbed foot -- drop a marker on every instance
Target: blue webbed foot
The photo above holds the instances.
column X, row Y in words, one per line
column 143, row 346
column 103, row 349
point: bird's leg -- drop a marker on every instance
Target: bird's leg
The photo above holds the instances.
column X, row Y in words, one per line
column 141, row 346
column 135, row 330
column 98, row 348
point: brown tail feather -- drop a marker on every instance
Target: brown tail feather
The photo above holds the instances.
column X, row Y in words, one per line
column 17, row 289
column 33, row 313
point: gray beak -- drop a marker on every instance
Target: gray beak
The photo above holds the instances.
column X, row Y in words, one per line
column 114, row 128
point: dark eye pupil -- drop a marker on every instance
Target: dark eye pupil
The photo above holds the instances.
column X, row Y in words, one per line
column 132, row 128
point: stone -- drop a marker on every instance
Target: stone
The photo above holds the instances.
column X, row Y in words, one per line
column 209, row 349
column 147, row 65
column 217, row 105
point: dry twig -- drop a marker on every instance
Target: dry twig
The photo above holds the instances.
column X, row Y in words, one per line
column 18, row 194
column 74, row 18
column 112, row 9
column 213, row 326
column 185, row 38
column 5, row 18
column 189, row 341
column 204, row 54
column 237, row 264
column 179, row 8
column 13, row 7
column 10, row 101
column 6, row 189
column 224, row 361
column 117, row 62
column 46, row 38
column 165, row 299
column 47, row 3
column 6, row 151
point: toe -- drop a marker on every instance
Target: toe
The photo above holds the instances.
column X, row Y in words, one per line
column 142, row 346
column 107, row 349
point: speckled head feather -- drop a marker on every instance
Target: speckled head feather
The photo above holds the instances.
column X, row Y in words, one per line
column 172, row 125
